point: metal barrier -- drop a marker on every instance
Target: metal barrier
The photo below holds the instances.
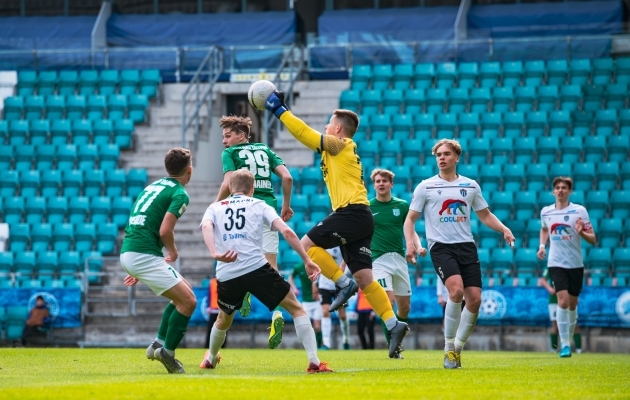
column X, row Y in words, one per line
column 209, row 72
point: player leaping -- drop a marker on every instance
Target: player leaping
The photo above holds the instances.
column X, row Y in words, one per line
column 451, row 242
column 261, row 161
column 351, row 224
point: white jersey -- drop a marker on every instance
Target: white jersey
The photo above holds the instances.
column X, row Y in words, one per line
column 322, row 281
column 565, row 248
column 238, row 225
column 447, row 207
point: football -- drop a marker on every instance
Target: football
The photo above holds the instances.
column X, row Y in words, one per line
column 258, row 93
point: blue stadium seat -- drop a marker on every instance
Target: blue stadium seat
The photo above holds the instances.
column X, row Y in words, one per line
column 120, row 211
column 18, row 132
column 69, row 262
column 524, row 150
column 403, row 73
column 446, row 125
column 536, row 176
column 95, row 107
column 526, row 263
column 129, row 80
column 402, row 126
column 579, row 71
column 468, row 125
column 108, row 82
column 480, row 100
column 88, row 80
column 55, row 107
column 24, row 263
column 597, row 203
column 34, row 209
column 468, row 170
column 9, row 181
column 467, row 74
column 392, row 101
column 570, row 97
column 87, row 156
column 582, row 123
column 84, row 235
column 571, row 149
column 47, row 263
column 115, row 182
column 621, row 261
column 72, row 183
column 445, row 75
column 513, row 123
column 533, row 230
column 19, row 236
column 607, row 175
column 594, row 148
column 478, row 151
column 436, row 98
column 501, row 261
column 50, row 182
column 599, row 260
column 513, row 177
column 62, row 236
column 490, row 177
column 593, row 96
column 618, row 147
column 319, row 202
column 150, row 79
column 29, row 183
column 490, row 125
column 501, row 204
column 360, row 77
column 78, row 209
column 559, row 123
column 6, row 265
column 33, row 107
column 457, row 100
column 13, row 107
column 75, row 107
column 41, row 235
column 46, row 82
column 423, row 75
column 381, row 76
column 547, row 98
column 512, row 73
column 423, row 126
column 6, row 157
column 502, row 98
column 501, row 150
column 524, row 98
column 525, row 205
column 557, row 71
column 137, row 179
column 415, row 100
column 608, row 232
column 103, row 131
column 39, row 131
column 370, row 101
column 534, row 72
column 350, row 100
column 536, row 123
column 489, row 74
column 605, row 122
column 56, row 210
column 602, row 71
column 616, row 94
column 60, row 132
column 123, row 133
column 422, row 172
column 583, row 176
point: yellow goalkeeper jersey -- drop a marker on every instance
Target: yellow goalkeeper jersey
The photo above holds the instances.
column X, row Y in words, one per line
column 340, row 163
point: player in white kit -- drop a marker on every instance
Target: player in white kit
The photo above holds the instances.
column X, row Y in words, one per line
column 447, row 200
column 233, row 232
column 327, row 292
column 565, row 224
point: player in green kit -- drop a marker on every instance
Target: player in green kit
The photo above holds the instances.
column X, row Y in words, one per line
column 310, row 302
column 389, row 265
column 261, row 161
column 151, row 226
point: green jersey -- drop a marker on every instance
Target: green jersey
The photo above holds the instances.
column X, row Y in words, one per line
column 261, row 162
column 389, row 219
column 553, row 299
column 142, row 234
column 299, row 272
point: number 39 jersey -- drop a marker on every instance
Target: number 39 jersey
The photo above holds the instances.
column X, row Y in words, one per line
column 142, row 234
column 238, row 225
column 261, row 162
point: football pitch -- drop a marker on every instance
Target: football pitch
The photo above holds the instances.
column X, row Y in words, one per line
column 110, row 374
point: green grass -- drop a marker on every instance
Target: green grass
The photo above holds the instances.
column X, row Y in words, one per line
column 279, row 374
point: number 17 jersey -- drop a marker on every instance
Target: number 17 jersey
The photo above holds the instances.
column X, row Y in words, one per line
column 238, row 225
column 142, row 234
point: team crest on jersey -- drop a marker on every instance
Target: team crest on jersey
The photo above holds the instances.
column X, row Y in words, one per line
column 439, row 192
column 396, row 212
column 566, row 217
column 463, row 192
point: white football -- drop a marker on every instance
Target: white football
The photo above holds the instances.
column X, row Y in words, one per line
column 259, row 92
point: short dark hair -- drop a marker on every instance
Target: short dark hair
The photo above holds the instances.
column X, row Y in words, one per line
column 236, row 124
column 40, row 297
column 176, row 161
column 349, row 120
column 562, row 179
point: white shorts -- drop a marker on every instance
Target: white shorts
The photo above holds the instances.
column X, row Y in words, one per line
column 553, row 309
column 313, row 310
column 390, row 270
column 271, row 240
column 151, row 270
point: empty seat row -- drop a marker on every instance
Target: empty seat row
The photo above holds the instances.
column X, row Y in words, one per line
column 490, row 74
column 89, row 82
column 25, row 282
column 75, row 107
column 65, row 157
column 63, row 264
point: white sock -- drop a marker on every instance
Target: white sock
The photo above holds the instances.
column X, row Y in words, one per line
column 572, row 322
column 326, row 329
column 306, row 334
column 452, row 317
column 276, row 312
column 562, row 319
column 345, row 330
column 390, row 323
column 343, row 281
column 160, row 341
column 466, row 326
column 217, row 338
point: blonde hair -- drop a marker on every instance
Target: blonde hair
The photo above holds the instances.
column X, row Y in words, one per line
column 451, row 143
column 241, row 181
column 385, row 173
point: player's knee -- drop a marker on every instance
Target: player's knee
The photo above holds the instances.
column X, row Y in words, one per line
column 456, row 295
column 403, row 310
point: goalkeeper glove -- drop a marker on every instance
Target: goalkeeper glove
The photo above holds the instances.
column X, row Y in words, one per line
column 275, row 103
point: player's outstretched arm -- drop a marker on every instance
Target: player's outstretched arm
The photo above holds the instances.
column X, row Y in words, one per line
column 414, row 246
column 224, row 190
column 492, row 222
column 544, row 236
column 306, row 135
column 287, row 187
column 312, row 269
column 167, row 235
column 207, row 229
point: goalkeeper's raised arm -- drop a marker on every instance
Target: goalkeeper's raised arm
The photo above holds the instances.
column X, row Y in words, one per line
column 306, row 135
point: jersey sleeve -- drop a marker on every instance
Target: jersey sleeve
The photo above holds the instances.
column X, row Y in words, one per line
column 274, row 160
column 208, row 216
column 227, row 161
column 419, row 198
column 405, row 209
column 178, row 204
column 542, row 220
column 586, row 219
column 269, row 215
column 479, row 203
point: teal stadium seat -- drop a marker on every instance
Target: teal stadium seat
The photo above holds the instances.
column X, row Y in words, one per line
column 350, row 100
column 33, row 107
column 422, row 172
column 599, row 260
column 13, row 209
column 370, row 101
column 445, row 75
column 402, row 126
column 621, row 261
column 108, row 82
column 55, row 107
column 29, row 183
column 81, row 131
column 579, row 71
column 35, row 209
column 547, row 150
column 381, row 76
column 108, row 155
column 536, row 176
column 47, row 83
column 94, row 261
column 9, row 182
column 4, row 132
column 41, row 234
column 150, row 80
column 524, row 98
column 95, row 107
column 489, row 74
column 457, row 101
column 20, row 234
column 547, row 98
column 533, row 230
column 78, row 209
column 47, row 263
column 525, row 205
column 480, row 100
column 593, row 97
column 60, row 132
column 423, row 75
column 27, row 80
column 513, row 123
column 616, row 94
column 115, row 182
column 502, row 98
column 360, row 77
column 56, row 210
column 571, row 149
column 39, row 131
column 608, row 232
column 50, row 182
column 491, row 125
column 501, row 150
column 62, row 237
column 602, row 71
column 446, row 125
column 605, row 122
column 120, row 211
column 319, row 202
column 138, row 104
column 622, row 70
column 403, row 74
column 84, row 236
column 123, row 133
column 607, row 175
column 72, row 183
column 24, row 157
column 467, row 74
column 93, row 182
column 534, row 73
column 570, row 96
column 6, row 157
column 490, row 177
column 415, row 100
column 13, row 106
column 88, row 81
column 6, row 264
column 524, row 150
column 502, row 204
column 392, row 102
column 100, row 208
column 75, row 107
column 618, row 147
column 116, row 106
column 478, row 151
column 436, row 99
column 594, row 148
column 526, row 263
column 468, row 170
column 582, row 122
column 129, row 80
column 559, row 123
column 583, row 176
column 468, row 125
column 87, row 156
column 18, row 132
column 423, row 126
column 557, row 71
column 513, row 177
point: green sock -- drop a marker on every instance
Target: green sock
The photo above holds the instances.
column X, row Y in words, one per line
column 177, row 325
column 402, row 319
column 164, row 324
column 554, row 340
column 385, row 331
column 577, row 338
column 318, row 337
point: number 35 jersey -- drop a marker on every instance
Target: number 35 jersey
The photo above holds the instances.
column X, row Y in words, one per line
column 261, row 162
column 142, row 234
column 238, row 225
